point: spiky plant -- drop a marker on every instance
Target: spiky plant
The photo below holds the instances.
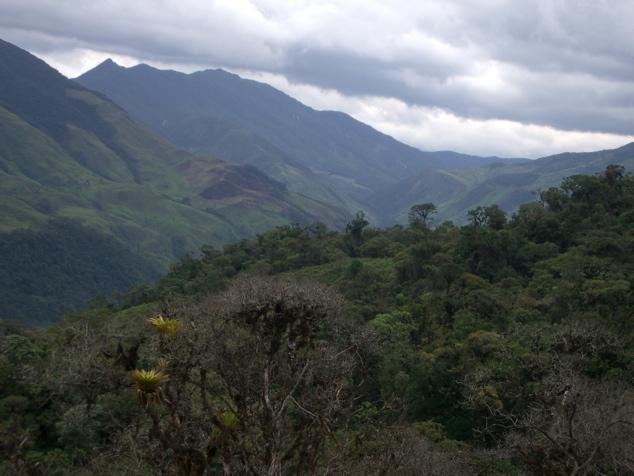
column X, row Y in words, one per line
column 165, row 325
column 163, row 364
column 149, row 385
column 228, row 419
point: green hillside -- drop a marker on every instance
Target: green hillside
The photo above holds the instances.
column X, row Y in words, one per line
column 69, row 153
column 505, row 184
column 47, row 272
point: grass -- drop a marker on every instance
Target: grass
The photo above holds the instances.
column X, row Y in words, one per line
column 133, row 186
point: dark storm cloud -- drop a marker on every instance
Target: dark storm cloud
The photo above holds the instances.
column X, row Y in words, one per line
column 568, row 64
column 555, row 98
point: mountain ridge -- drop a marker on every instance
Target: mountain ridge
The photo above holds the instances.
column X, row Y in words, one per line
column 342, row 161
column 508, row 184
column 347, row 160
column 68, row 153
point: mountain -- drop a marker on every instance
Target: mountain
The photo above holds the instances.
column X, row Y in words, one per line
column 326, row 155
column 68, row 153
column 507, row 184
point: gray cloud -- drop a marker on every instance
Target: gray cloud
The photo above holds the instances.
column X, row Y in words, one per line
column 566, row 64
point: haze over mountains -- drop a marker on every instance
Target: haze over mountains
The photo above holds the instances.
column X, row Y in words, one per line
column 506, row 184
column 237, row 157
column 327, row 155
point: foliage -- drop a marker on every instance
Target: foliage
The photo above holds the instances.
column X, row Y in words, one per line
column 59, row 268
column 148, row 384
column 165, row 325
column 501, row 347
column 421, row 214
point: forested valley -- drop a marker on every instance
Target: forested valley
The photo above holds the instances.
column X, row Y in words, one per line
column 503, row 346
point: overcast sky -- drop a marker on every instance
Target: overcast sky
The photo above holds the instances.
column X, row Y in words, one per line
column 490, row 77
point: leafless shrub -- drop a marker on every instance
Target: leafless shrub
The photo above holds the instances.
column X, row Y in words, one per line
column 400, row 451
column 578, row 426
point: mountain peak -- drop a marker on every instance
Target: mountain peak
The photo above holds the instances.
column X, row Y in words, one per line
column 107, row 64
column 144, row 67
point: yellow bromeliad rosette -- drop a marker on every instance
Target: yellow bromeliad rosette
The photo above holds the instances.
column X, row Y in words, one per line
column 165, row 325
column 149, row 385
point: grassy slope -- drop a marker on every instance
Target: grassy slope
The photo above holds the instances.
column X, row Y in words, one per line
column 508, row 185
column 88, row 159
column 40, row 180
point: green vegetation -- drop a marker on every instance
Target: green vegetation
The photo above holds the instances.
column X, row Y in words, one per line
column 67, row 153
column 55, row 270
column 500, row 347
column 507, row 184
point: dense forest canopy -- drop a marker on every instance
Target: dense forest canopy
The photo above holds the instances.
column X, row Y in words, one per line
column 500, row 347
column 60, row 267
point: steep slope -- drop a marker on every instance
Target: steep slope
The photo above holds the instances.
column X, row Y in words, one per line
column 506, row 184
column 327, row 155
column 69, row 153
column 436, row 186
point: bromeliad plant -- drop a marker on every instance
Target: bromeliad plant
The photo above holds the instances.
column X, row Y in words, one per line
column 228, row 419
column 149, row 385
column 165, row 325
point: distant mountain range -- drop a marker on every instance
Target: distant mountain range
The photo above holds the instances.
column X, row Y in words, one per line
column 506, row 184
column 327, row 155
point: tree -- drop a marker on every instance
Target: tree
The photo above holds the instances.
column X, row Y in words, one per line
column 354, row 231
column 553, row 198
column 420, row 215
column 577, row 427
column 254, row 382
column 356, row 226
column 495, row 217
column 492, row 217
column 614, row 174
